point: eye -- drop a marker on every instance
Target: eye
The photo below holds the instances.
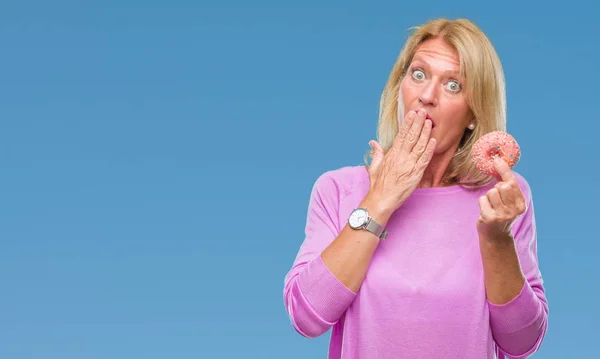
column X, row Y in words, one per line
column 418, row 75
column 453, row 86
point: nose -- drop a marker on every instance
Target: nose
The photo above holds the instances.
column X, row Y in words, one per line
column 429, row 94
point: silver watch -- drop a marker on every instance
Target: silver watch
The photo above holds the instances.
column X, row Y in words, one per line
column 360, row 219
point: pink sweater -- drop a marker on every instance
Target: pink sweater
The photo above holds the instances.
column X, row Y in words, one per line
column 424, row 294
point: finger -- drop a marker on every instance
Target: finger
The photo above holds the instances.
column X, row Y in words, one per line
column 404, row 127
column 512, row 197
column 485, row 208
column 495, row 201
column 423, row 140
column 503, row 169
column 425, row 158
column 415, row 131
column 507, row 193
column 377, row 156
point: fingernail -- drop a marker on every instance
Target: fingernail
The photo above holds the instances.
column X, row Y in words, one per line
column 412, row 114
column 422, row 112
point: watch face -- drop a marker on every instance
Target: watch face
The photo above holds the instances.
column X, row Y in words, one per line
column 358, row 218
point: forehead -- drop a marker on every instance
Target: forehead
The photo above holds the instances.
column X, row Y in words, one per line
column 438, row 55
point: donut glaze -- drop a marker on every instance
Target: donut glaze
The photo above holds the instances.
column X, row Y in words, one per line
column 496, row 143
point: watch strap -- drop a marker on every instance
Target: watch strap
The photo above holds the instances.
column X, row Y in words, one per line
column 376, row 229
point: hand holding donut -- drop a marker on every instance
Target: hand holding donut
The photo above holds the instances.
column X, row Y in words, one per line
column 501, row 205
column 395, row 174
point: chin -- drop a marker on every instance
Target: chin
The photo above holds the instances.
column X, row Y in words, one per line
column 434, row 134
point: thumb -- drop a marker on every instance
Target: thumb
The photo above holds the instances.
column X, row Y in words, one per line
column 377, row 156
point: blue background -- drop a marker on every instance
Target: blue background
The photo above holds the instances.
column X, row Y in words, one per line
column 157, row 158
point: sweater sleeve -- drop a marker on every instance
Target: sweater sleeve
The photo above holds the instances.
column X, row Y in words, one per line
column 313, row 297
column 520, row 325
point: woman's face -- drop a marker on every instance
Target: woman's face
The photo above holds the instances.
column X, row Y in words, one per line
column 433, row 83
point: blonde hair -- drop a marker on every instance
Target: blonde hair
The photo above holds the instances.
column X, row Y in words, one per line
column 480, row 67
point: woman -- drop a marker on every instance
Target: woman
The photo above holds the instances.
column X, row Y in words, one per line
column 447, row 265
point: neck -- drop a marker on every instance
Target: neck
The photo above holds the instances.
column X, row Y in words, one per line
column 435, row 173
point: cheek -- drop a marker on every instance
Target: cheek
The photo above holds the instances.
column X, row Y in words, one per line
column 408, row 93
column 460, row 112
column 459, row 104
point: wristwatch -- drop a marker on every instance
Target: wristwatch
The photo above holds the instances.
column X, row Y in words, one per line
column 360, row 219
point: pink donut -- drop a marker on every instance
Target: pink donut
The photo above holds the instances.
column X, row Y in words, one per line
column 491, row 144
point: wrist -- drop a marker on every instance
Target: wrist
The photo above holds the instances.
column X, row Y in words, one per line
column 376, row 209
column 497, row 240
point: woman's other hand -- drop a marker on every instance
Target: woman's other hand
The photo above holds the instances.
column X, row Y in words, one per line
column 395, row 174
column 501, row 205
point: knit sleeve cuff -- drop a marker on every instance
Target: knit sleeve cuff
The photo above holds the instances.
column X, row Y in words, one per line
column 516, row 315
column 327, row 296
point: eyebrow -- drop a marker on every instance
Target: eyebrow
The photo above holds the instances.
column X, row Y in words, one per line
column 455, row 73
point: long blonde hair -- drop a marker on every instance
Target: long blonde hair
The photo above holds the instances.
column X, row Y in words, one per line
column 482, row 70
